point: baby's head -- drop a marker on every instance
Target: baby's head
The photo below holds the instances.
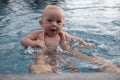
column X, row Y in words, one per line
column 52, row 20
column 52, row 9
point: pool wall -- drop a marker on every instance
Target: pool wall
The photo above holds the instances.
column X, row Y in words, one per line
column 64, row 76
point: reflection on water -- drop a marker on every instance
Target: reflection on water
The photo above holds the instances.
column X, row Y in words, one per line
column 96, row 21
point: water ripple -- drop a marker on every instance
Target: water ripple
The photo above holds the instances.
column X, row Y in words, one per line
column 96, row 21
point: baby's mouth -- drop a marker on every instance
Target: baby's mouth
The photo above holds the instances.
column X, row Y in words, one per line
column 53, row 29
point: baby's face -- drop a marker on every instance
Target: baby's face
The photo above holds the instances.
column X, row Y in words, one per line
column 52, row 22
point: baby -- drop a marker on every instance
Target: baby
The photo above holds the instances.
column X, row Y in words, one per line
column 52, row 36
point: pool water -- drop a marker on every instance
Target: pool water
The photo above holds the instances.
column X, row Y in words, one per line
column 96, row 21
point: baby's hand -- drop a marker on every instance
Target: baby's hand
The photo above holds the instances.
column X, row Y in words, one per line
column 40, row 44
column 91, row 45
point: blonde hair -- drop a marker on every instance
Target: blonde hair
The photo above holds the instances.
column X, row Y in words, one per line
column 52, row 7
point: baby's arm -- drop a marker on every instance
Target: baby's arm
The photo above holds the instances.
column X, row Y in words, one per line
column 82, row 42
column 32, row 40
column 105, row 65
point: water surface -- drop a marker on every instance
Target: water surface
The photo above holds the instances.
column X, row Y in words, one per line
column 96, row 21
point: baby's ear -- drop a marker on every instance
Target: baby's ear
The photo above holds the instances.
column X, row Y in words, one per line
column 40, row 22
column 63, row 25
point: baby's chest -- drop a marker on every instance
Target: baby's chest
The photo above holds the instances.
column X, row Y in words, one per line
column 52, row 42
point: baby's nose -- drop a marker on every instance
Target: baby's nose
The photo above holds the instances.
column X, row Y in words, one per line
column 54, row 23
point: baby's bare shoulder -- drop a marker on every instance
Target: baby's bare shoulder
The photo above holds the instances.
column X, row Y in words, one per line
column 37, row 32
column 66, row 34
column 34, row 34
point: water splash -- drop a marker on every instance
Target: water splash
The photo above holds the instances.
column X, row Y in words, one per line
column 67, row 62
column 31, row 50
column 103, row 46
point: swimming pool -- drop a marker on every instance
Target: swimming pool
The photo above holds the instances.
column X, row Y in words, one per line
column 96, row 21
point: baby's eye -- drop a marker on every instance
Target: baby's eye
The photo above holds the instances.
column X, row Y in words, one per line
column 49, row 20
column 59, row 21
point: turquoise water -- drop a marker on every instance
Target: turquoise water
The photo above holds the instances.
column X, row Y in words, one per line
column 96, row 21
